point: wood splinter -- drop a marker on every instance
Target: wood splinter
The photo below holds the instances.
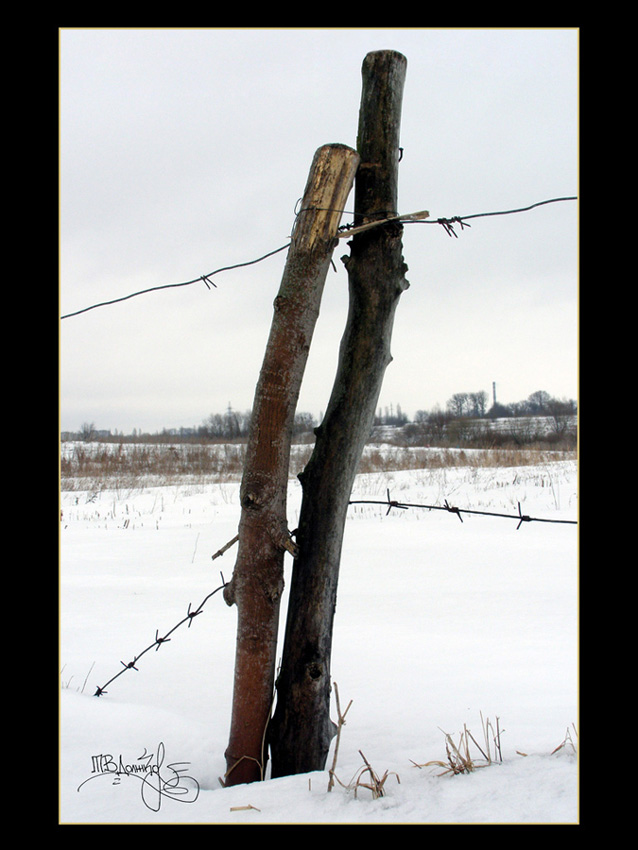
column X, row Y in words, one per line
column 417, row 216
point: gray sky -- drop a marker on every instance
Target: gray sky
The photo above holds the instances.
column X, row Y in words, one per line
column 186, row 150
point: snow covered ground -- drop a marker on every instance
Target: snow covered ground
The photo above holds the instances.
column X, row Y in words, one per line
column 440, row 626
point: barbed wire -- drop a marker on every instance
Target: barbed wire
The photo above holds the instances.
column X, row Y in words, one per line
column 389, row 502
column 446, row 223
column 190, row 616
column 393, row 503
column 205, row 278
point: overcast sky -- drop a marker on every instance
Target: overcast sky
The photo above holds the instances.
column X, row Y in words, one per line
column 186, row 150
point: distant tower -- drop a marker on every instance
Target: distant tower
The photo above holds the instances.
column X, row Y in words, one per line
column 494, row 393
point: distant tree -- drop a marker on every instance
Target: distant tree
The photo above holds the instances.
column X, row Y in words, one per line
column 437, row 423
column 518, row 408
column 561, row 413
column 87, row 431
column 390, row 417
column 458, row 405
column 478, row 404
column 538, row 402
column 230, row 425
column 499, row 411
column 214, row 426
column 401, row 418
column 304, row 423
column 428, row 427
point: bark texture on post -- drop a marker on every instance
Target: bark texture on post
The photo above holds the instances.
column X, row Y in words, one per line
column 301, row 729
column 257, row 582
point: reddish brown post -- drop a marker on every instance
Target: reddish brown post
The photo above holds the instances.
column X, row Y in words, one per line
column 257, row 581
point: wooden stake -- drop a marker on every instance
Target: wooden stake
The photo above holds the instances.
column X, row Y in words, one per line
column 301, row 728
column 257, row 582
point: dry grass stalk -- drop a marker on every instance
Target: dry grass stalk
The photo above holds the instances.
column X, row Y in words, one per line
column 124, row 465
column 567, row 741
column 376, row 784
column 223, row 782
column 459, row 757
column 341, row 722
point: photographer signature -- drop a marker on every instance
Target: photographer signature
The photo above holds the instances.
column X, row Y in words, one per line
column 156, row 780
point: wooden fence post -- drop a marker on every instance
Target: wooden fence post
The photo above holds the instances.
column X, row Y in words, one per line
column 257, row 580
column 301, row 729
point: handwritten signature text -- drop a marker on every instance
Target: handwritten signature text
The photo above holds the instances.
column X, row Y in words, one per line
column 157, row 779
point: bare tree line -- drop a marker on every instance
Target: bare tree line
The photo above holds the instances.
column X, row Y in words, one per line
column 460, row 407
column 540, row 418
column 230, row 425
column 436, row 423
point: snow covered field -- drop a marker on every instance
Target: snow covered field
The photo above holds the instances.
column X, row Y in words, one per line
column 440, row 625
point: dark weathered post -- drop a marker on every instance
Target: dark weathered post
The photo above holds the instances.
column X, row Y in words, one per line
column 257, row 580
column 301, row 729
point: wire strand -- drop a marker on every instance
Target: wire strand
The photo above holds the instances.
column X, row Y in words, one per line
column 501, row 212
column 205, row 278
column 446, row 223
